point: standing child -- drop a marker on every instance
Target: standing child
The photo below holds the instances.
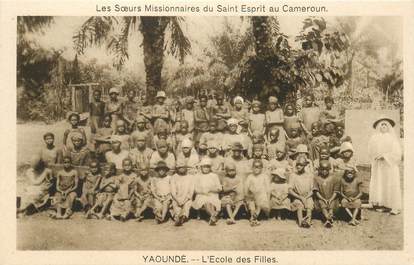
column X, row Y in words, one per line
column 217, row 161
column 182, row 134
column 272, row 142
column 329, row 114
column 239, row 112
column 121, row 132
column 279, row 193
column 280, row 160
column 316, row 140
column 90, row 185
column 140, row 154
column 350, row 188
column 114, row 106
column 142, row 194
column 257, row 120
column 78, row 153
column 309, row 114
column 256, row 191
column 274, row 118
column 121, row 206
column 96, row 111
column 220, row 112
column 130, row 110
column 324, row 154
column 49, row 153
column 327, row 188
column 182, row 191
column 232, row 195
column 142, row 131
column 116, row 155
column 294, row 140
column 290, row 119
column 207, row 188
column 74, row 119
column 66, row 184
column 161, row 191
column 102, row 138
column 161, row 114
column 105, row 193
column 188, row 155
column 187, row 114
column 301, row 188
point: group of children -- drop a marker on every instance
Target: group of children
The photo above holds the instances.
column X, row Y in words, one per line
column 210, row 156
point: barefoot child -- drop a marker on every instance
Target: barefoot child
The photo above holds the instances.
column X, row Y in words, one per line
column 279, row 192
column 301, row 188
column 105, row 192
column 232, row 195
column 66, row 184
column 161, row 190
column 90, row 185
column 326, row 187
column 96, row 111
column 207, row 188
column 351, row 193
column 182, row 190
column 121, row 206
column 142, row 193
column 256, row 192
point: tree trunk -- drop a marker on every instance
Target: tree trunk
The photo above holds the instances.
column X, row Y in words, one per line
column 152, row 29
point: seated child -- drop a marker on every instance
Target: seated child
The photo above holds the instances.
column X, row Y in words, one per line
column 350, row 189
column 239, row 112
column 121, row 206
column 90, row 185
column 182, row 191
column 279, row 193
column 207, row 188
column 36, row 194
column 217, row 161
column 294, row 140
column 105, row 193
column 302, row 151
column 280, row 160
column 161, row 191
column 141, row 131
column 212, row 135
column 162, row 154
column 188, row 155
column 259, row 155
column 256, row 192
column 142, row 193
column 324, row 154
column 122, row 133
column 346, row 158
column 301, row 188
column 326, row 187
column 163, row 135
column 232, row 195
column 79, row 154
column 66, row 184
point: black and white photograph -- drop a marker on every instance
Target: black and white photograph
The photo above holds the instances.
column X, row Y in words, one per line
column 210, row 133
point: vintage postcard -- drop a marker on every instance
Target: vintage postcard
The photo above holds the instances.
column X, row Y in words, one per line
column 148, row 132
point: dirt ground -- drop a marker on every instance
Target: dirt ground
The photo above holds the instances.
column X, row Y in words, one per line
column 378, row 231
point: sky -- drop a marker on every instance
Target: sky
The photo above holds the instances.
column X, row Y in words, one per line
column 198, row 29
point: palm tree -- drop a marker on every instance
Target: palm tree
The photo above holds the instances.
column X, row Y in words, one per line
column 115, row 33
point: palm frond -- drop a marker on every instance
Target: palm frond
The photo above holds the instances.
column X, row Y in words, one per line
column 32, row 23
column 94, row 31
column 179, row 44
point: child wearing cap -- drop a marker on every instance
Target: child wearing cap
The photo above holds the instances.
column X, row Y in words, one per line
column 105, row 193
column 102, row 138
column 78, row 153
column 301, row 189
column 189, row 155
column 232, row 195
column 243, row 166
column 96, row 111
column 326, row 187
column 182, row 191
column 49, row 153
column 257, row 120
column 217, row 161
column 90, row 185
column 114, row 106
column 117, row 154
column 274, row 118
column 256, row 191
column 66, row 183
column 161, row 191
column 350, row 191
column 206, row 189
column 142, row 194
column 302, row 151
column 346, row 158
column 161, row 115
column 163, row 154
column 279, row 193
column 140, row 154
column 74, row 119
column 121, row 206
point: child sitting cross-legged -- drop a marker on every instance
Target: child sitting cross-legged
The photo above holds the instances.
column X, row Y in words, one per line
column 143, row 198
column 351, row 193
column 232, row 195
column 161, row 191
